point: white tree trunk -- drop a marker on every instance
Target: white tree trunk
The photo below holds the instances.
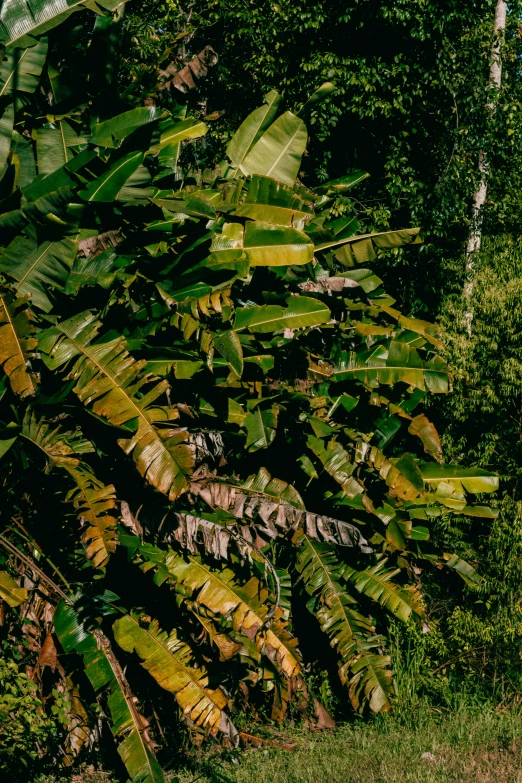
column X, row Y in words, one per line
column 479, row 197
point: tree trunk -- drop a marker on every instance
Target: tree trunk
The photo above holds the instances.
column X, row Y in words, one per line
column 479, row 197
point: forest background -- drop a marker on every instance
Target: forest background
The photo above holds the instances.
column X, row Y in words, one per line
column 411, row 108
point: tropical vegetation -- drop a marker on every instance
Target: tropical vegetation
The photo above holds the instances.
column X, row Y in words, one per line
column 214, row 440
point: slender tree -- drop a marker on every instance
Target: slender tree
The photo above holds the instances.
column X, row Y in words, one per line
column 479, row 196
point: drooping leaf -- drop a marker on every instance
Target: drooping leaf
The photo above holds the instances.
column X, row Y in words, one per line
column 424, row 429
column 95, row 503
column 170, row 661
column 376, row 582
column 245, row 606
column 104, row 672
column 271, row 505
column 17, row 342
column 109, row 379
column 362, row 669
column 337, row 463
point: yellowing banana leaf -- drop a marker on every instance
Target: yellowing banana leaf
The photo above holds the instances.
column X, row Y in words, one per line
column 108, row 379
column 170, row 661
column 17, row 343
column 59, row 447
column 402, row 476
column 106, row 187
column 269, row 245
column 36, row 267
column 10, row 591
column 472, row 480
column 272, row 202
column 362, row 669
column 278, row 152
column 216, row 590
column 22, row 19
column 252, row 128
column 301, row 312
column 425, row 430
column 21, row 69
column 105, row 674
column 95, row 503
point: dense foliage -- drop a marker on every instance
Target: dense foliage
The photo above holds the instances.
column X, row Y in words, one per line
column 172, row 338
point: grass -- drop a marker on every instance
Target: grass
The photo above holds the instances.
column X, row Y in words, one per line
column 469, row 745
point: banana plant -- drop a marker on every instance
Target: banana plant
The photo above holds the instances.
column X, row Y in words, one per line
column 205, row 382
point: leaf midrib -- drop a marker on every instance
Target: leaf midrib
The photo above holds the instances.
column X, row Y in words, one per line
column 70, row 9
column 13, row 71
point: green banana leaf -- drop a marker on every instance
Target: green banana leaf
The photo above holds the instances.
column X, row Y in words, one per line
column 472, row 480
column 252, row 128
column 278, row 152
column 301, row 311
column 22, row 19
column 269, row 245
column 106, row 187
column 272, row 202
column 111, row 132
column 37, row 267
column 21, row 69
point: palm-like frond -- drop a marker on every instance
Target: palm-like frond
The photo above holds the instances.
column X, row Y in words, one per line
column 111, row 381
column 362, row 668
